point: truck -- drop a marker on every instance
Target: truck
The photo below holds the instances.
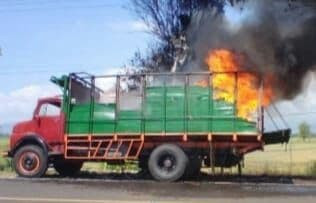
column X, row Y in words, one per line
column 171, row 124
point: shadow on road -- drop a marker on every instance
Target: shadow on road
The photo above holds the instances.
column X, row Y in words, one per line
column 202, row 177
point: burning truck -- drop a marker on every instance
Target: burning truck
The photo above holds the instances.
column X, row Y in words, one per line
column 171, row 123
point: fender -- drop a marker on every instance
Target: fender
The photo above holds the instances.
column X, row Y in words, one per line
column 30, row 139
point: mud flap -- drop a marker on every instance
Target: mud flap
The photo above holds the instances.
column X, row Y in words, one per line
column 277, row 137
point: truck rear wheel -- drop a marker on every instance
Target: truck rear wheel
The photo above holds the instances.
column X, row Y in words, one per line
column 68, row 168
column 30, row 161
column 167, row 163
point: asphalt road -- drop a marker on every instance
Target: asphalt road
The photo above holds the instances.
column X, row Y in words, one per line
column 48, row 190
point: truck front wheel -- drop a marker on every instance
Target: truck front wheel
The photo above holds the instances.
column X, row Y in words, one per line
column 68, row 167
column 30, row 161
column 167, row 163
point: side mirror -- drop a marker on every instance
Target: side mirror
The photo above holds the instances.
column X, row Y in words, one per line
column 73, row 101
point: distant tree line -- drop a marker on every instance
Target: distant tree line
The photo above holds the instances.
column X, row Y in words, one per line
column 304, row 131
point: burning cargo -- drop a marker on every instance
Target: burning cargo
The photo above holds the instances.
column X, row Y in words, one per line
column 224, row 100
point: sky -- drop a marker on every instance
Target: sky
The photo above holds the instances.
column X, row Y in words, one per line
column 45, row 37
column 41, row 38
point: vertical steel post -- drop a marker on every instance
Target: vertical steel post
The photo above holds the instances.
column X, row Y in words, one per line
column 165, row 106
column 92, row 96
column 261, row 109
column 143, row 103
column 117, row 101
column 186, row 104
column 92, row 102
column 67, row 122
column 235, row 99
column 67, row 119
column 210, row 99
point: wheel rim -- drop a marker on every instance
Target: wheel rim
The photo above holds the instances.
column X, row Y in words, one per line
column 29, row 163
column 167, row 163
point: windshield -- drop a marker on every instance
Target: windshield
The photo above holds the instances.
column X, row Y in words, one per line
column 49, row 109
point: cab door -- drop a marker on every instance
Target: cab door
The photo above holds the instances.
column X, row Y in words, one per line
column 49, row 122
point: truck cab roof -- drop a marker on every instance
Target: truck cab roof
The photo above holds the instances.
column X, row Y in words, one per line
column 54, row 100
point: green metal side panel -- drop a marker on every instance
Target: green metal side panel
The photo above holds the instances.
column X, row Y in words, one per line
column 175, row 109
column 154, row 109
column 129, row 121
column 79, row 116
column 103, row 118
column 223, row 113
column 164, row 110
column 198, row 109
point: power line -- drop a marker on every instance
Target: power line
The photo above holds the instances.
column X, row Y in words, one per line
column 26, row 3
column 45, row 71
column 299, row 113
column 8, row 10
column 41, row 2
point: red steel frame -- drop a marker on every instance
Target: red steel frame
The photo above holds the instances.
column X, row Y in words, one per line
column 101, row 147
column 96, row 147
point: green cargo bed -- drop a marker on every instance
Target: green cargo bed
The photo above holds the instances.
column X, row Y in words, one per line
column 169, row 109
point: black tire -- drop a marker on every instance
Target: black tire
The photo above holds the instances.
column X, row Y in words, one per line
column 194, row 167
column 68, row 168
column 30, row 161
column 167, row 163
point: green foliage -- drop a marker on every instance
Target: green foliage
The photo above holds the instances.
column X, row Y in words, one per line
column 129, row 166
column 304, row 131
column 312, row 169
column 5, row 163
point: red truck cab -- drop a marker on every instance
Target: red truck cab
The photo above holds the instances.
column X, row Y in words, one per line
column 33, row 141
column 46, row 126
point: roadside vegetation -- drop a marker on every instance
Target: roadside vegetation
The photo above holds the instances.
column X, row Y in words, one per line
column 5, row 164
column 297, row 158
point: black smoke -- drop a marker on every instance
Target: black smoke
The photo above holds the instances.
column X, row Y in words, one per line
column 275, row 37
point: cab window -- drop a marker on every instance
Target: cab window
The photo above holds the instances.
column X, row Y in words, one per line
column 49, row 110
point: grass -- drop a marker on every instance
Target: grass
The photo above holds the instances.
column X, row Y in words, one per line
column 298, row 158
column 130, row 167
column 5, row 164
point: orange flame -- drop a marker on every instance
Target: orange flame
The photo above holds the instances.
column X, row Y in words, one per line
column 244, row 86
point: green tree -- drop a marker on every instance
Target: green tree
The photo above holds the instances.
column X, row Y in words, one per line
column 304, row 131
